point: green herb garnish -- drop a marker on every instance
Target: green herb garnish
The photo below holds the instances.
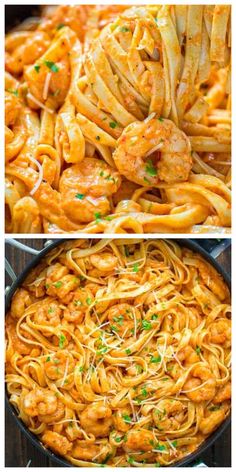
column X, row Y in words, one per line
column 52, row 66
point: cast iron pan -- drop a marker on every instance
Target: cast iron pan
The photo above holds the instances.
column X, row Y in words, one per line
column 190, row 244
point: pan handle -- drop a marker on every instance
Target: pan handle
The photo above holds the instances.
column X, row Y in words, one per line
column 21, row 247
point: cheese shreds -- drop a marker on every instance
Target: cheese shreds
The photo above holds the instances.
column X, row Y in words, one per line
column 40, row 177
column 150, row 117
column 92, row 200
column 155, row 148
column 96, row 329
column 171, row 445
column 135, row 325
column 40, row 104
column 46, row 85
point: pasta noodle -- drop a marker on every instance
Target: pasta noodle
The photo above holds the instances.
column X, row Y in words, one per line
column 118, row 352
column 125, row 99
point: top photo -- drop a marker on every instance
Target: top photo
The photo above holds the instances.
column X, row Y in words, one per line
column 118, row 119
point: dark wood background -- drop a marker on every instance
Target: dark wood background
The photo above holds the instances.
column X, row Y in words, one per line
column 19, row 451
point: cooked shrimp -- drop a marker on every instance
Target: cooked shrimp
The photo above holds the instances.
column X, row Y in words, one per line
column 187, row 355
column 208, row 424
column 213, row 280
column 123, row 319
column 51, row 418
column 58, row 364
column 168, row 415
column 105, row 262
column 140, row 440
column 120, row 419
column 136, row 157
column 57, row 442
column 96, row 419
column 77, row 307
column 220, row 331
column 19, row 346
column 20, row 300
column 89, row 452
column 39, row 402
column 63, row 287
column 12, row 108
column 201, row 386
column 85, row 189
column 223, row 394
column 48, row 315
column 27, row 52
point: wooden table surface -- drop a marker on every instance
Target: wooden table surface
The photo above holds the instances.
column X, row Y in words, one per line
column 19, row 451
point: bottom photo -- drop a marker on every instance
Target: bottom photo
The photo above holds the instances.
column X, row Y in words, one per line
column 118, row 352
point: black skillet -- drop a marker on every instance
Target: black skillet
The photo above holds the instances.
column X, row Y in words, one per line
column 215, row 249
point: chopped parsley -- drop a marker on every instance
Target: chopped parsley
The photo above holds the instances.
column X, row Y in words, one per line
column 130, row 460
column 113, row 124
column 146, row 180
column 118, row 440
column 155, row 317
column 119, row 319
column 128, row 351
column 135, row 267
column 214, row 408
column 62, row 339
column 48, row 359
column 144, row 392
column 155, row 360
column 126, row 418
column 124, row 29
column 80, row 196
column 174, row 443
column 146, row 325
column 126, row 251
column 88, row 301
column 101, row 173
column 198, row 350
column 58, row 284
column 97, row 217
column 150, row 169
column 52, row 66
column 98, row 138
column 160, row 118
column 14, row 91
column 60, row 26
column 114, row 328
column 37, row 68
column 81, row 369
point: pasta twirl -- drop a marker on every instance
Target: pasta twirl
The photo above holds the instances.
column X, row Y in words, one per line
column 118, row 352
column 79, row 78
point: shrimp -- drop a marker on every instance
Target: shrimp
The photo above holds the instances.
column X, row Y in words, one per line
column 168, row 415
column 53, row 417
column 27, row 52
column 213, row 280
column 123, row 319
column 136, row 157
column 201, row 386
column 12, row 108
column 140, row 440
column 58, row 364
column 220, row 331
column 85, row 189
column 188, row 356
column 63, row 287
column 39, row 402
column 104, row 262
column 119, row 419
column 90, row 452
column 57, row 442
column 48, row 315
column 76, row 309
column 20, row 301
column 19, row 346
column 223, row 394
column 208, row 424
column 96, row 419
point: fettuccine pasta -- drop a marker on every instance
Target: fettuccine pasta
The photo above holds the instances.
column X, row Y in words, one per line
column 118, row 120
column 118, row 352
